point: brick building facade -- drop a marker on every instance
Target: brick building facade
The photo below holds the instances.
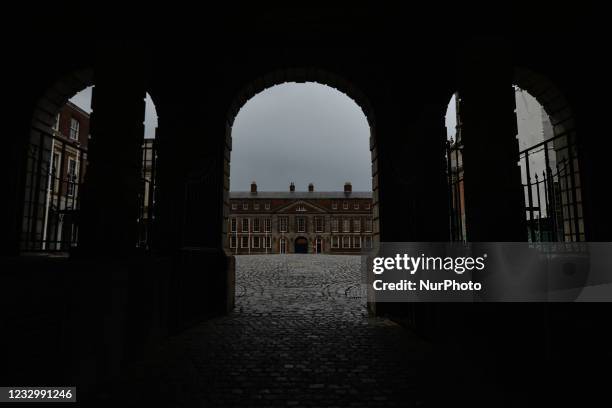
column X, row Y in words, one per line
column 335, row 222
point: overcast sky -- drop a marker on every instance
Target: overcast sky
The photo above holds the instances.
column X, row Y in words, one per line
column 301, row 133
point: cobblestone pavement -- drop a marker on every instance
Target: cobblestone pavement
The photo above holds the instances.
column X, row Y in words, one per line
column 299, row 336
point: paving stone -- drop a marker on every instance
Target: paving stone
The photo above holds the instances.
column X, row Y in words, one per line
column 299, row 336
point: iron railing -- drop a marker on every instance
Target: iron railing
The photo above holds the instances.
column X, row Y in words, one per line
column 552, row 190
column 55, row 174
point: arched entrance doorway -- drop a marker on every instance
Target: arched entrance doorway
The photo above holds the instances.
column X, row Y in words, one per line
column 301, row 245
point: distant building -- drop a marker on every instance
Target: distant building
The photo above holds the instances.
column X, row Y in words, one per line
column 67, row 169
column 334, row 222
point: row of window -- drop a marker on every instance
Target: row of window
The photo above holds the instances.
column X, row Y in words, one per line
column 345, row 206
column 266, row 242
column 255, row 224
column 74, row 127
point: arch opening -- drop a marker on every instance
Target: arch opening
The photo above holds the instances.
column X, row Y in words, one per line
column 548, row 161
column 57, row 162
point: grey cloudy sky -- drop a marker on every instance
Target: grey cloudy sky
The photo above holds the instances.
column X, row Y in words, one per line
column 301, row 133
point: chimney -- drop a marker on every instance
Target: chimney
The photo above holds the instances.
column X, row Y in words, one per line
column 348, row 187
column 310, row 187
column 292, row 187
column 253, row 187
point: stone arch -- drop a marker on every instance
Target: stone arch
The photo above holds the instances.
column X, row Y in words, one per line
column 301, row 75
column 38, row 154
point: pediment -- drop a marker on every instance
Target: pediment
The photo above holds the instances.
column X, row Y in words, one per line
column 301, row 207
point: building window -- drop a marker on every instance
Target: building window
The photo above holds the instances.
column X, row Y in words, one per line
column 255, row 224
column 245, row 225
column 335, row 242
column 334, row 205
column 267, row 225
column 346, row 242
column 319, row 224
column 71, row 176
column 256, row 242
column 368, row 206
column 234, row 206
column 301, row 224
column 356, row 206
column 56, row 123
column 368, row 241
column 74, row 129
column 256, row 206
column 54, row 170
column 268, row 242
column 334, row 225
column 357, row 225
column 356, row 242
column 245, row 206
column 244, row 242
column 233, row 241
column 345, row 205
column 282, row 224
column 233, row 225
column 368, row 225
column 346, row 225
column 267, row 206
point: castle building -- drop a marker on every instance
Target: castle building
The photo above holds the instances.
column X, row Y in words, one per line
column 332, row 222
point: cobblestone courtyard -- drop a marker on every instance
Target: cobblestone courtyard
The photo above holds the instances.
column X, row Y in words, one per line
column 299, row 336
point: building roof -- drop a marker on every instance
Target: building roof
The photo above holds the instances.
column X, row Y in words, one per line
column 300, row 194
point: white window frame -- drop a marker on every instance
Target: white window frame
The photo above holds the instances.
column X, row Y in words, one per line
column 56, row 123
column 245, row 206
column 319, row 222
column 234, row 206
column 335, row 224
column 334, row 205
column 267, row 225
column 357, row 242
column 346, row 225
column 256, row 206
column 345, row 205
column 283, row 224
column 256, row 224
column 357, row 225
column 356, row 206
column 73, row 134
column 244, row 239
column 267, row 206
column 368, row 225
column 346, row 239
column 233, row 241
column 300, row 223
column 256, row 242
column 247, row 225
column 335, row 242
column 268, row 242
column 233, row 224
column 71, row 177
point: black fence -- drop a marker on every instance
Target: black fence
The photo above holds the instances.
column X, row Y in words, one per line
column 55, row 173
column 551, row 184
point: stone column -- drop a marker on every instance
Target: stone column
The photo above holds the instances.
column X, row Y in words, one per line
column 109, row 206
column 494, row 202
